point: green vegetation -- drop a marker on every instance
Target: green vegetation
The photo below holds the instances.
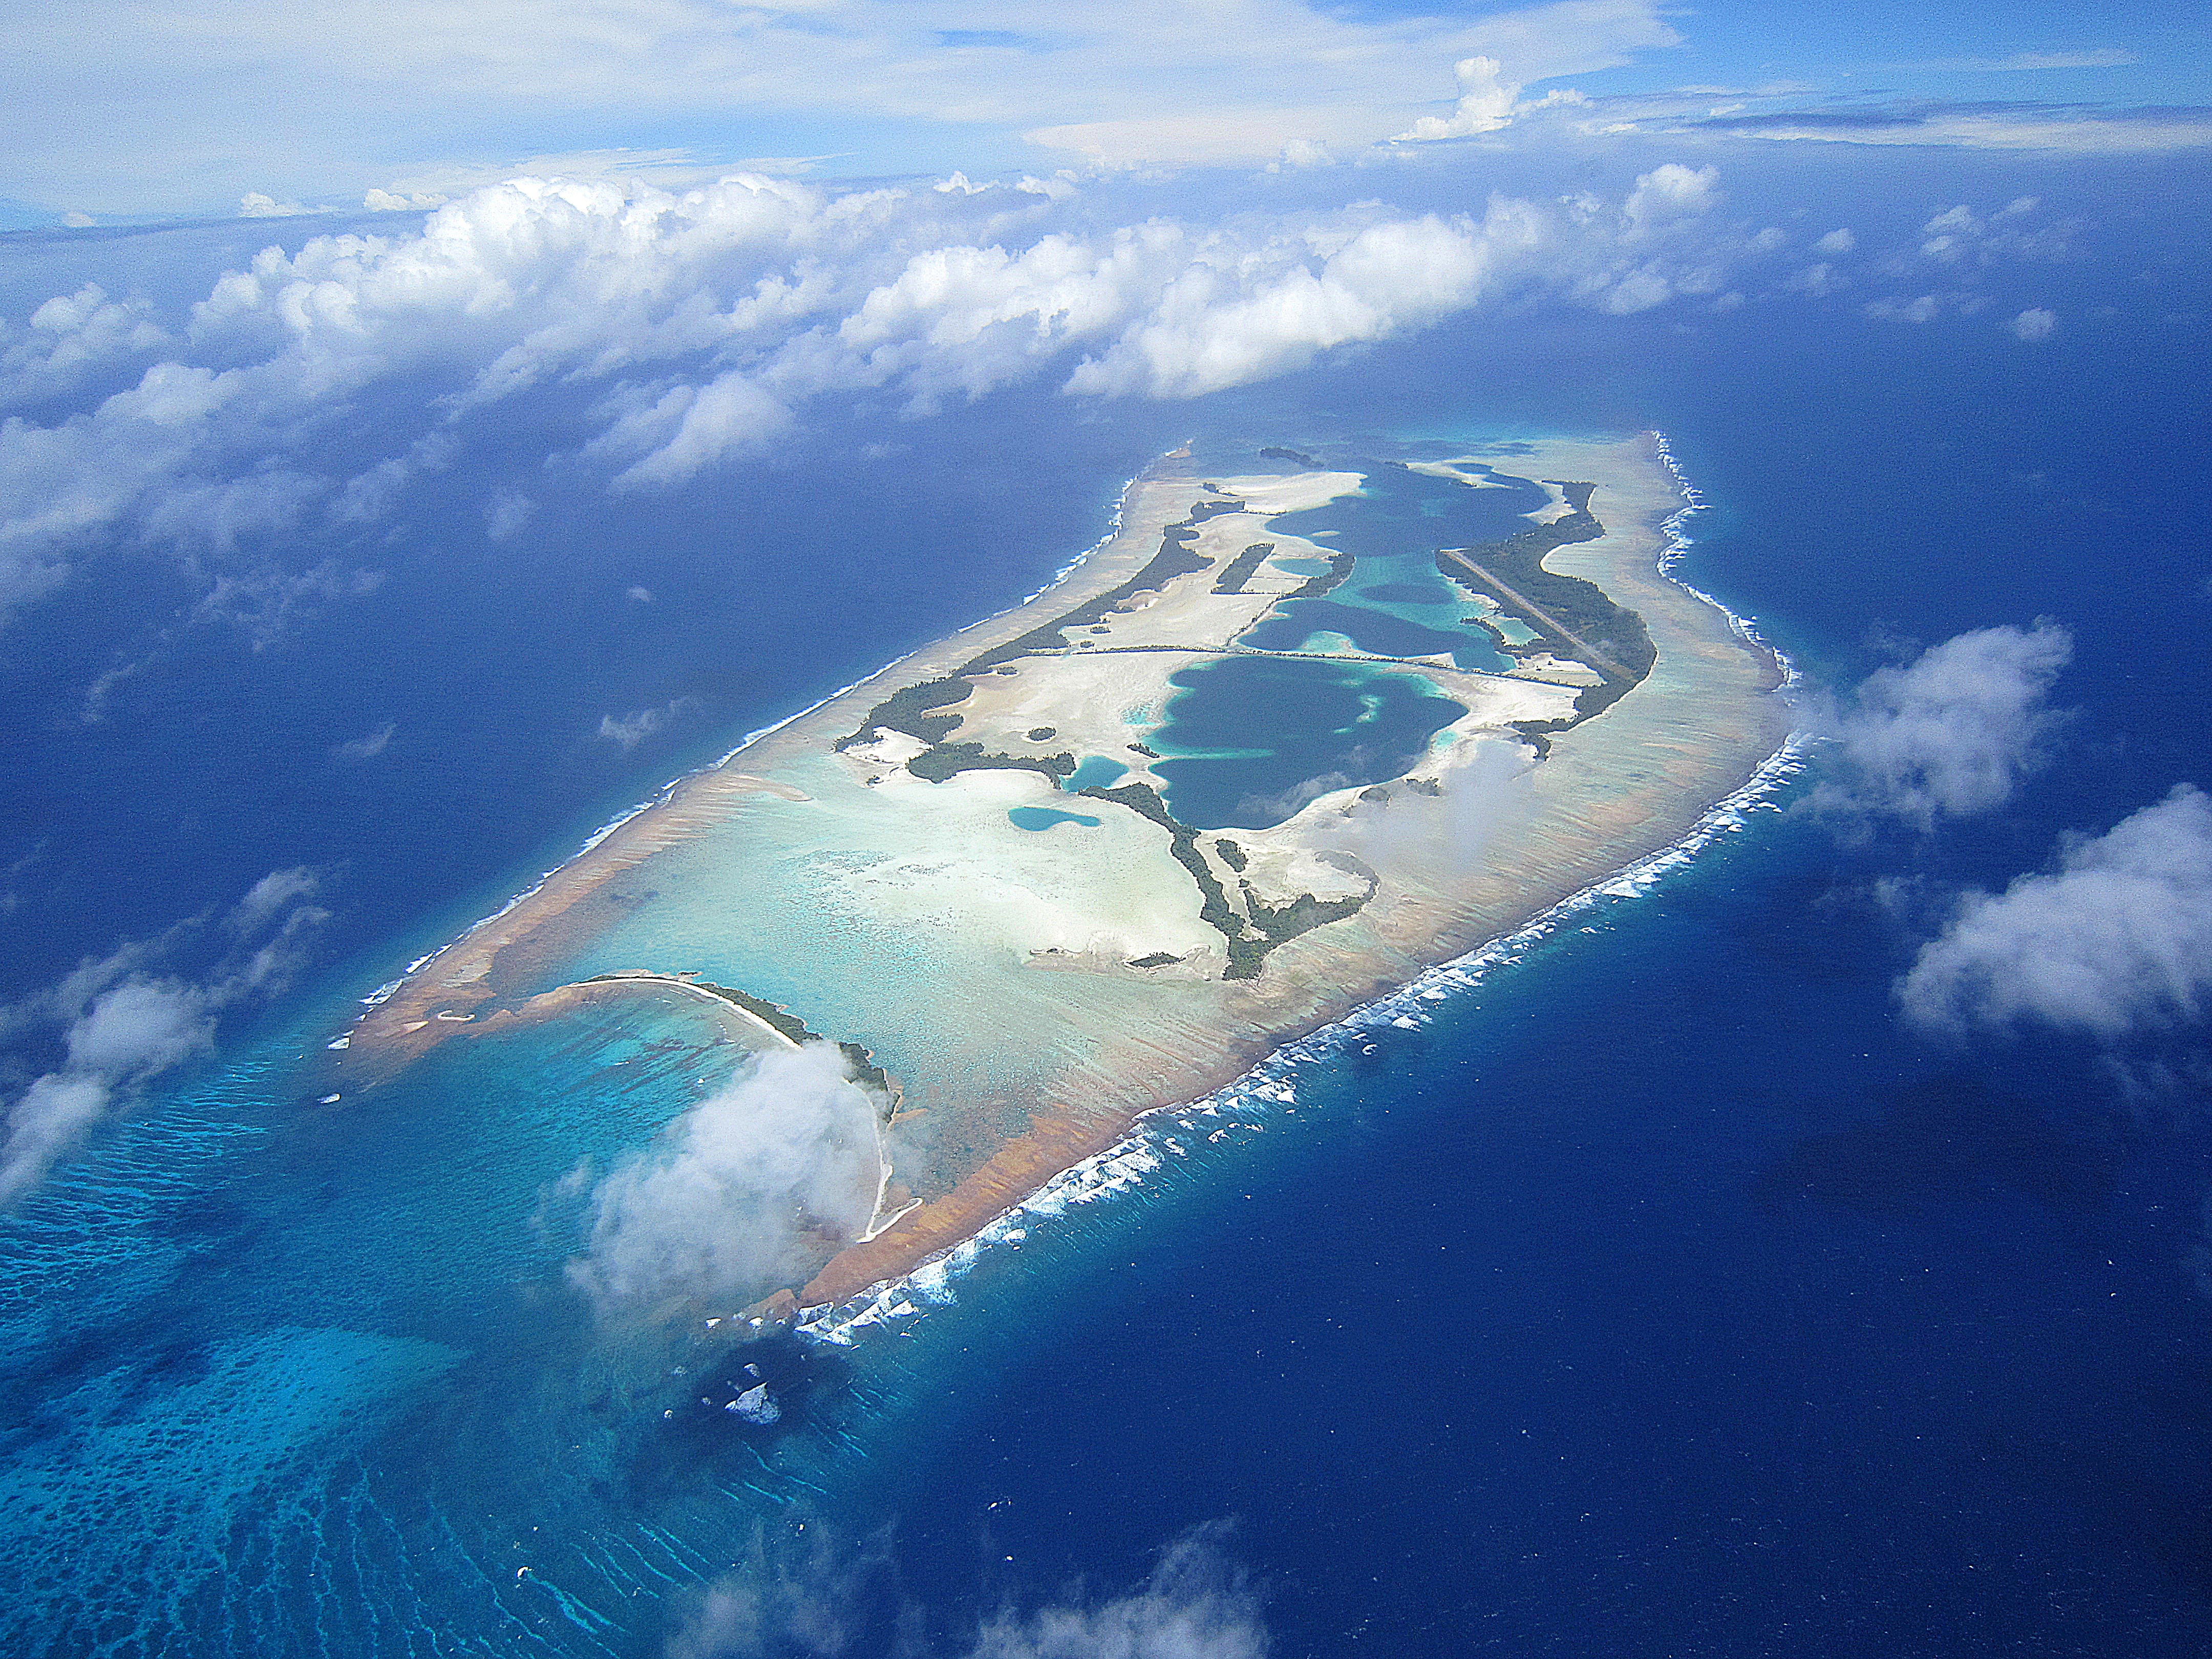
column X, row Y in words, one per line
column 1283, row 923
column 1569, row 603
column 1043, row 733
column 1271, row 925
column 1275, row 452
column 1158, row 959
column 1238, row 570
column 941, row 761
column 1231, row 855
column 776, row 1016
column 1213, row 908
column 1339, row 567
column 909, row 709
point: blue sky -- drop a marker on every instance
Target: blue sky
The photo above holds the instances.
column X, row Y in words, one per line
column 112, row 111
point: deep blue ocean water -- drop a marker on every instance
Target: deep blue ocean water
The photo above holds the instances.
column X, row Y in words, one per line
column 1659, row 1296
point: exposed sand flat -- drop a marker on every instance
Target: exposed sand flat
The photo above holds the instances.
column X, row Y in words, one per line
column 1035, row 991
column 1459, row 468
column 1294, row 494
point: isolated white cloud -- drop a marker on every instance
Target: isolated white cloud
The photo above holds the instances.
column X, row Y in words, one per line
column 141, row 1026
column 386, row 201
column 2034, row 324
column 1837, row 242
column 273, row 896
column 506, row 513
column 1486, row 105
column 2118, row 937
column 753, row 1186
column 634, row 728
column 1953, row 733
column 1925, row 309
column 120, row 1023
column 808, row 1595
column 370, row 745
column 1669, row 192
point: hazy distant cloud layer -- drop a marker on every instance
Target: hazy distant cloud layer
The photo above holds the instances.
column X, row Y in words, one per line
column 1953, row 733
column 1196, row 1604
column 1137, row 80
column 2117, row 938
column 124, row 1020
column 703, row 326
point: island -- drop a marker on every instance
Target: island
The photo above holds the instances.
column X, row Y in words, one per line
column 1308, row 723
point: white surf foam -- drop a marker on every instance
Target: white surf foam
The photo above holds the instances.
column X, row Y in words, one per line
column 1157, row 1136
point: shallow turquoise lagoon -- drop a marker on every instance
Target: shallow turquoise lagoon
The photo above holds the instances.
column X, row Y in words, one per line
column 1043, row 817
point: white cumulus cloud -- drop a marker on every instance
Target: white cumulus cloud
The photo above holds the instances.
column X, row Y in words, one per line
column 2034, row 324
column 1953, row 733
column 752, row 1187
column 1486, row 105
column 120, row 1021
column 2117, row 936
column 706, row 324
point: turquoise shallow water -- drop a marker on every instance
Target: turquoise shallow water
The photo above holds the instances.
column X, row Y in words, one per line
column 329, row 1382
column 1044, row 818
column 1662, row 1296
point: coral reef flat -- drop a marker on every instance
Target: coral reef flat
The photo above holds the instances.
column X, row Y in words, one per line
column 1246, row 839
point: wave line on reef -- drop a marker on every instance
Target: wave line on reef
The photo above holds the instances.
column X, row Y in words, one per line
column 1678, row 543
column 1152, row 1138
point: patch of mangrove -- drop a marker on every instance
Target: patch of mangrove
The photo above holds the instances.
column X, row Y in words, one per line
column 1573, row 618
column 927, row 709
column 777, row 1017
column 1238, row 570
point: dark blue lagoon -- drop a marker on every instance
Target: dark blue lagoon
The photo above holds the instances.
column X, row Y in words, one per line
column 1248, row 740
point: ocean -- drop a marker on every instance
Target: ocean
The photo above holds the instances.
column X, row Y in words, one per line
column 1657, row 1291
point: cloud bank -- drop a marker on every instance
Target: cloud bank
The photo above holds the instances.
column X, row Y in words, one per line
column 308, row 393
column 749, row 1188
column 1953, row 733
column 2117, row 938
column 121, row 1021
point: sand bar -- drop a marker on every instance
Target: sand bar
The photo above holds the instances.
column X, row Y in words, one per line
column 1035, row 991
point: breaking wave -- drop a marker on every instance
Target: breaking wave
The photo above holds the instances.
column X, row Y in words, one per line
column 1170, row 1132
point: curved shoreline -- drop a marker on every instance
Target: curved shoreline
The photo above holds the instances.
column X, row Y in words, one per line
column 862, row 1287
column 1111, row 1048
column 1124, row 1162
